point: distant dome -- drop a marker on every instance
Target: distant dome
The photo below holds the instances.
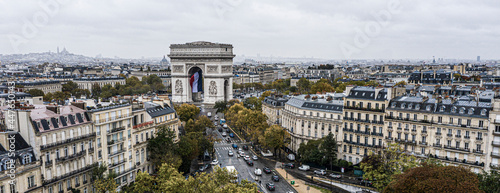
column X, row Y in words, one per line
column 164, row 61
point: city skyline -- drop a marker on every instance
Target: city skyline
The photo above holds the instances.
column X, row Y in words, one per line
column 340, row 30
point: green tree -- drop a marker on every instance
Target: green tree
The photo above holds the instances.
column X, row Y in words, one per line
column 310, row 153
column 162, row 148
column 274, row 138
column 96, row 89
column 187, row 111
column 253, row 103
column 320, row 87
column 169, row 179
column 60, row 97
column 265, row 94
column 489, row 182
column 221, row 106
column 329, row 149
column 457, row 76
column 198, row 125
column 303, row 85
column 36, row 92
column 394, row 160
column 400, row 83
column 101, row 182
column 70, row 86
column 435, row 179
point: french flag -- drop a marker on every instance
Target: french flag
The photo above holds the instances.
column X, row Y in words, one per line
column 196, row 82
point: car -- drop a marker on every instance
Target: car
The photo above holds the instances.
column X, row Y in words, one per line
column 235, row 146
column 254, row 157
column 215, row 162
column 225, row 126
column 220, row 129
column 304, row 167
column 228, row 140
column 224, row 134
column 270, row 186
column 231, row 135
column 267, row 170
column 245, row 147
column 209, row 114
column 239, row 149
column 335, row 176
column 320, row 172
column 250, row 162
column 275, row 178
column 230, row 153
column 258, row 172
column 290, row 165
column 247, row 157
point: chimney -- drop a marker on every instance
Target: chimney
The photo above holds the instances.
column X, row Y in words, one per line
column 53, row 108
column 80, row 105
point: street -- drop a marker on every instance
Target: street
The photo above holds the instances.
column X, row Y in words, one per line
column 244, row 170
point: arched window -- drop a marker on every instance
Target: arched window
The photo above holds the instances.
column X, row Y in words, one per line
column 410, row 106
column 483, row 112
column 442, row 108
column 454, row 109
column 471, row 111
column 403, row 105
column 417, row 107
column 462, row 110
column 394, row 105
column 428, row 108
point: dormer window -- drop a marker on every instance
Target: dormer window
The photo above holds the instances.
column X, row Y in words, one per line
column 442, row 108
column 428, row 108
column 363, row 94
column 454, row 109
column 462, row 110
column 483, row 112
column 471, row 111
column 410, row 106
column 417, row 107
column 403, row 105
column 394, row 105
column 26, row 159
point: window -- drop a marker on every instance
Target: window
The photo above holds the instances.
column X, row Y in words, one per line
column 451, row 120
column 428, row 108
column 31, row 181
column 13, row 188
column 468, row 122
column 481, row 123
column 440, row 119
column 471, row 111
column 483, row 112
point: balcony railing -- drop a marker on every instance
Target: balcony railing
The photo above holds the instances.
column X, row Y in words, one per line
column 125, row 171
column 496, row 132
column 118, row 163
column 458, row 136
column 114, row 130
column 437, row 133
column 437, row 145
column 64, row 142
column 53, row 180
column 117, row 152
column 495, row 166
column 457, row 148
column 479, row 138
column 463, row 161
column 477, row 151
column 111, row 142
column 101, row 121
column 48, row 163
column 495, row 143
column 449, row 135
column 422, row 143
column 495, row 154
column 466, row 137
column 364, row 109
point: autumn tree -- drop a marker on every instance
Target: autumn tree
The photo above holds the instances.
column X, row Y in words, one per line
column 168, row 179
column 187, row 111
column 402, row 83
column 253, row 103
column 431, row 178
column 321, row 87
column 198, row 125
column 393, row 160
column 36, row 92
column 275, row 137
column 265, row 94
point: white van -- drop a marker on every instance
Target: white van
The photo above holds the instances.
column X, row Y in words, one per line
column 209, row 114
column 304, row 167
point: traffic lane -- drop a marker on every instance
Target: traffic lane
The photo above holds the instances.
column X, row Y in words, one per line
column 280, row 186
column 327, row 176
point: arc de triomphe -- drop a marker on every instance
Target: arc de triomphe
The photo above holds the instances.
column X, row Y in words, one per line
column 210, row 62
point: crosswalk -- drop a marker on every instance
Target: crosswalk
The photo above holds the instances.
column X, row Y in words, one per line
column 225, row 142
column 223, row 148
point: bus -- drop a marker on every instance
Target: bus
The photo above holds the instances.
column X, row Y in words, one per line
column 232, row 170
column 222, row 121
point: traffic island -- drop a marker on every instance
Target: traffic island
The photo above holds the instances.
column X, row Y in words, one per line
column 297, row 184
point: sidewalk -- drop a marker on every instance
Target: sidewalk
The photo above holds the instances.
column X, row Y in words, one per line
column 300, row 185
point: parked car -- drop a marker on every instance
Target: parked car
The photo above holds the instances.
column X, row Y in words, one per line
column 290, row 165
column 320, row 172
column 270, row 186
column 231, row 135
column 304, row 167
column 267, row 170
column 235, row 146
column 224, row 134
column 258, row 172
column 250, row 162
column 215, row 162
column 254, row 157
column 230, row 153
column 275, row 178
column 335, row 176
column 245, row 147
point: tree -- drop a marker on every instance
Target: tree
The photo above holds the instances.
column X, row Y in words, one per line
column 187, row 111
column 198, row 125
column 457, row 76
column 70, row 86
column 96, row 89
column 274, row 137
column 36, row 92
column 169, row 179
column 310, row 153
column 489, row 181
column 60, row 97
column 321, row 87
column 253, row 103
column 221, row 106
column 329, row 149
column 303, row 85
column 393, row 160
column 431, row 178
column 162, row 148
column 265, row 94
column 102, row 183
column 400, row 83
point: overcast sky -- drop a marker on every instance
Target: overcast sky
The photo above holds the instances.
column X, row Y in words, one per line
column 292, row 28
